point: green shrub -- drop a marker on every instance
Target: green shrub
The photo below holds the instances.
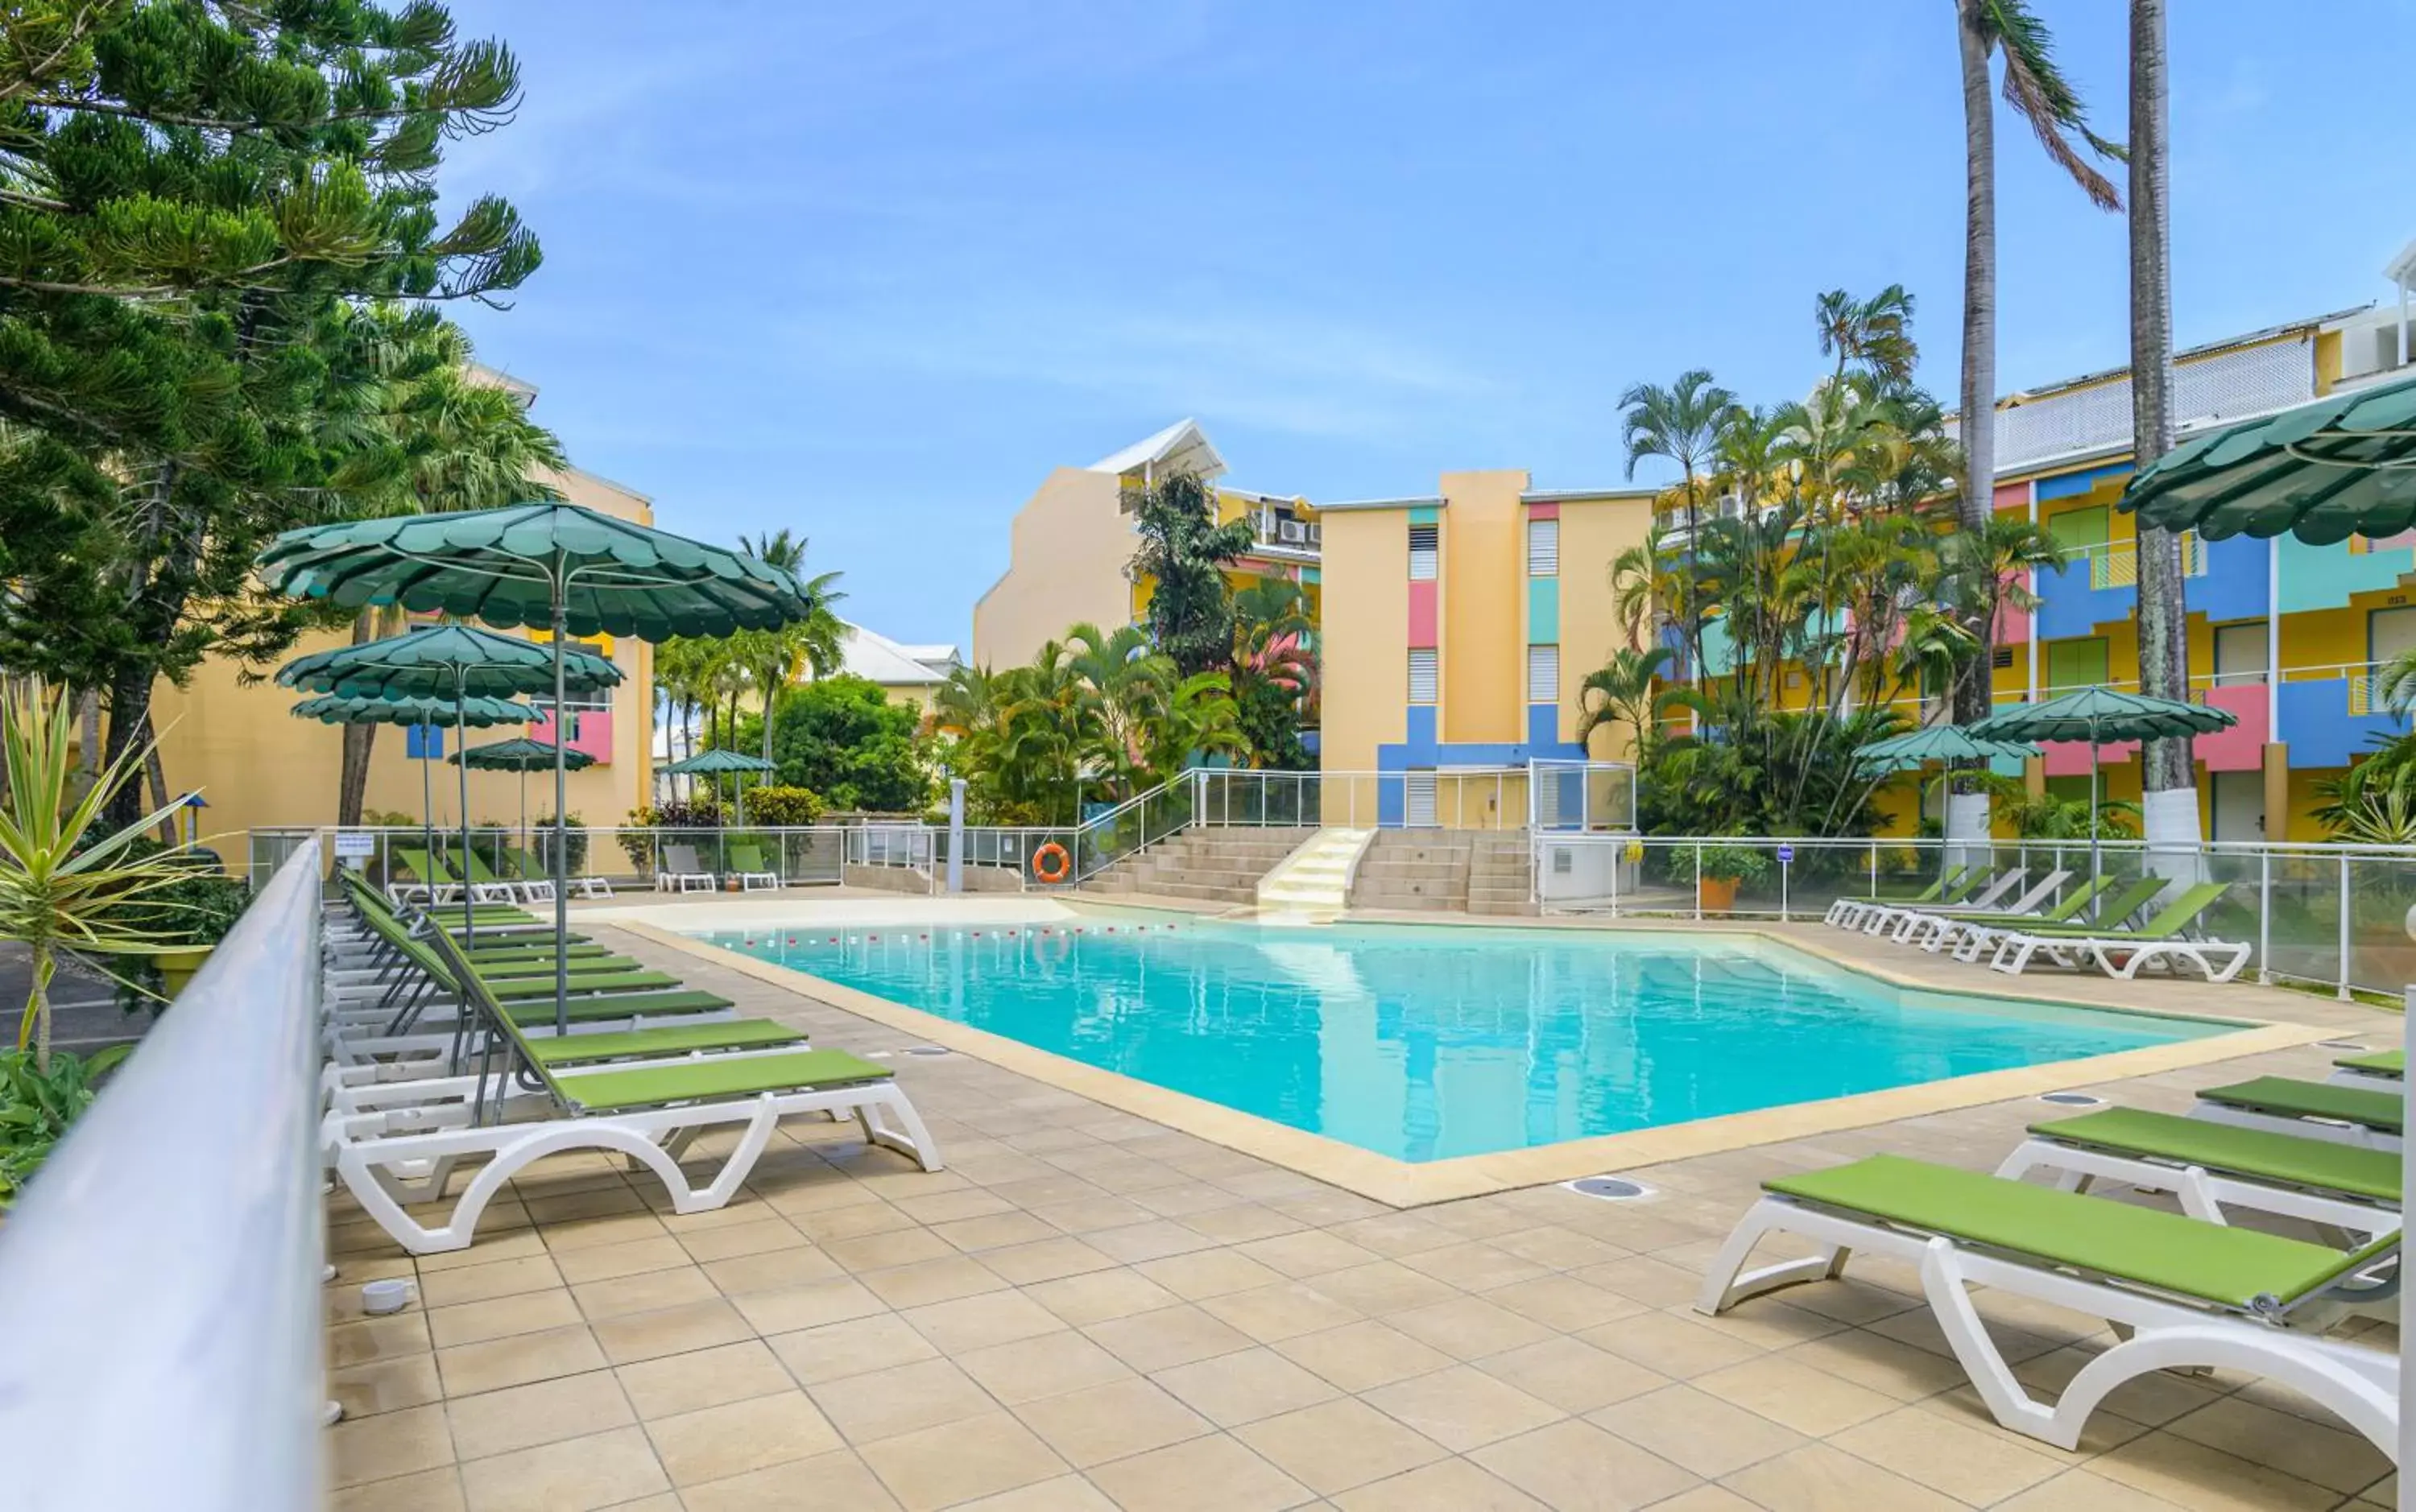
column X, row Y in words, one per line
column 36, row 1106
column 1720, row 864
column 784, row 807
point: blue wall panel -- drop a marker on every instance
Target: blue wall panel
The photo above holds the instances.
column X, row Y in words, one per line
column 2319, row 729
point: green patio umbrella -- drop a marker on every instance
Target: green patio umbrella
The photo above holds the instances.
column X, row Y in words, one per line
column 454, row 663
column 1941, row 743
column 716, row 763
column 523, row 756
column 439, row 713
column 2098, row 716
column 2324, row 471
column 575, row 571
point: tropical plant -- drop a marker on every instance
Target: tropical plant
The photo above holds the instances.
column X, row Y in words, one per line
column 1680, row 423
column 69, row 881
column 842, row 738
column 812, row 647
column 1274, row 675
column 2368, row 798
column 2041, row 96
column 784, row 807
column 2044, row 815
column 1183, row 555
column 38, row 1101
column 1689, row 864
column 1625, row 691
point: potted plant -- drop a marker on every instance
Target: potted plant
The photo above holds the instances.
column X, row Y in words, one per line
column 188, row 918
column 1718, row 872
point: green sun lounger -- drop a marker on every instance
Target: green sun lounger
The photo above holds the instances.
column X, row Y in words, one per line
column 2314, row 1109
column 2182, row 1293
column 2120, row 952
column 675, row 1003
column 2376, row 1065
column 581, row 968
column 746, row 864
column 658, row 1043
column 1846, row 912
column 2211, row 1167
column 2072, row 903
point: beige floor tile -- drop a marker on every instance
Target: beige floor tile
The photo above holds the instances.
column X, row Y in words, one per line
column 978, row 1457
column 390, row 1444
column 485, row 1252
column 1473, row 1266
column 1151, row 1342
column 1572, row 1374
column 971, row 1323
column 889, row 1247
column 384, row 1386
column 377, row 1339
column 1577, row 1467
column 1050, row 1365
column 1100, row 1296
column 771, row 1270
column 2324, row 1453
column 838, row 1479
column 716, row 1442
column 474, row 1323
column 1470, row 1327
column 2154, row 1399
column 702, row 1378
column 761, row 1236
column 588, row 1234
column 1337, row 1444
column 1462, row 1408
column 1360, row 1356
column 2078, row 1491
column 852, row 1347
column 607, row 1261
column 1694, row 1431
column 1920, row 1330
column 1657, row 1283
column 1242, row 1223
column 1047, row 1260
column 518, row 1360
column 575, row 1475
column 933, row 1280
column 1246, row 1386
column 1446, row 1486
column 1702, row 1499
column 1383, row 1288
column 830, row 1225
column 1818, row 1478
column 1976, row 1465
column 1883, row 1365
column 903, row 1399
column 429, row 1491
column 481, row 1283
column 544, row 1411
column 1563, row 1302
column 2204, row 1479
column 1092, row 1215
column 1558, row 1247
column 1113, row 1421
column 1310, row 1252
column 1206, row 1474
column 1067, row 1493
column 645, row 1336
column 1675, row 1346
column 648, row 1291
column 1396, row 1234
column 1789, row 1392
column 1284, row 1310
column 789, row 1308
column 1155, row 1239
column 1208, row 1273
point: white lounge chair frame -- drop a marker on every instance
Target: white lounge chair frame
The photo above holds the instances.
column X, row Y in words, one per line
column 1848, row 913
column 2016, row 949
column 679, row 870
column 2359, row 1383
column 1940, row 926
column 2203, row 1194
column 1888, row 920
column 2362, row 1135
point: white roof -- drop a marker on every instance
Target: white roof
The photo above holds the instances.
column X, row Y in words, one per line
column 1181, row 447
column 874, row 655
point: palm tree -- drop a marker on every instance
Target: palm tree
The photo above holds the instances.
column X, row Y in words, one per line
column 2167, row 768
column 2040, row 95
column 812, row 647
column 1622, row 692
column 1680, row 423
column 1874, row 333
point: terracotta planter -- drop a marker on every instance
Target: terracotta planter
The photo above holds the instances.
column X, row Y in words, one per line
column 1715, row 894
column 176, row 967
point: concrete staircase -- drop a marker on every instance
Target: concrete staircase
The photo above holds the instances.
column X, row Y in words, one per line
column 1501, row 874
column 1213, row 866
column 1314, row 882
column 1471, row 870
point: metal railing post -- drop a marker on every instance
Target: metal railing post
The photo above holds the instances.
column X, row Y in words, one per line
column 2264, row 913
column 2342, row 990
column 1875, row 869
column 1699, row 881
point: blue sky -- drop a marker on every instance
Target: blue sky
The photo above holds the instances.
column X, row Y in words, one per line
column 869, row 272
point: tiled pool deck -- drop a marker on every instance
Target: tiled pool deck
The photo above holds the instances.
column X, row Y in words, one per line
column 1089, row 1310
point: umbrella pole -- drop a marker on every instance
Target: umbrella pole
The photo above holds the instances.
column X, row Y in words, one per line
column 427, row 813
column 561, row 858
column 462, row 767
column 2097, row 866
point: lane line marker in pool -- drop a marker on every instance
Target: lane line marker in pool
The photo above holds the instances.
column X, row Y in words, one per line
column 1609, row 1188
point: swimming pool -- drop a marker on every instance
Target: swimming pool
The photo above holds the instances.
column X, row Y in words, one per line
column 1428, row 1043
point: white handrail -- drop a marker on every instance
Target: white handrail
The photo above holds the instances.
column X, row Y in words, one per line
column 160, row 1282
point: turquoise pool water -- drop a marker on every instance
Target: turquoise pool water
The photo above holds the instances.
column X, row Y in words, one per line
column 1426, row 1043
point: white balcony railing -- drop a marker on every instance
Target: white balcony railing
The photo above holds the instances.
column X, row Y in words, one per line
column 2218, row 387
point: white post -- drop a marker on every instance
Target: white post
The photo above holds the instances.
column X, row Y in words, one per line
column 956, row 834
column 2032, row 649
column 2273, row 646
column 2407, row 1335
column 2342, row 990
column 2264, row 913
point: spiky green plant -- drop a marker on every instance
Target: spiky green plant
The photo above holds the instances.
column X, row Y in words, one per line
column 64, row 885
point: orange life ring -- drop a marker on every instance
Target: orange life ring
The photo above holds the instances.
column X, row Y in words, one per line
column 1050, row 863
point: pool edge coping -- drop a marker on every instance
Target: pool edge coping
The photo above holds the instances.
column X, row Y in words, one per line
column 1401, row 1184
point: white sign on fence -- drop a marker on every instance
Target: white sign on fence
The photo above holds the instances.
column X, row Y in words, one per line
column 355, row 845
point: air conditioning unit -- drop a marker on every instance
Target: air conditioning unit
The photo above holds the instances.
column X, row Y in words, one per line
column 1293, row 532
column 1316, row 534
column 1729, row 506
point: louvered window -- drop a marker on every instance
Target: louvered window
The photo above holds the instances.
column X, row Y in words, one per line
column 1543, row 674
column 1423, row 675
column 1426, row 552
column 1420, row 805
column 1543, row 548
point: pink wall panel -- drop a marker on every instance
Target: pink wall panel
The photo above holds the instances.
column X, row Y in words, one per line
column 2012, row 625
column 2070, row 758
column 593, row 732
column 2240, row 748
column 2012, row 496
column 1423, row 614
column 1543, row 511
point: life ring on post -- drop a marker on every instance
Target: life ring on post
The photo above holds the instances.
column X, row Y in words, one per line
column 1050, row 864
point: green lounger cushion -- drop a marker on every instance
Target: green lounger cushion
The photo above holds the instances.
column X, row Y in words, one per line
column 542, row 965
column 482, row 952
column 2285, row 1160
column 2233, row 1267
column 538, row 1014
column 2377, row 1063
column 671, row 1040
column 2287, row 1098
column 519, row 988
column 716, row 1080
column 2072, row 903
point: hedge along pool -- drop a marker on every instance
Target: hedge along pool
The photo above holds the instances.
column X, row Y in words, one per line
column 1426, row 1043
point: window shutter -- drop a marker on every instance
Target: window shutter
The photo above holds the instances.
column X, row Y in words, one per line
column 1420, row 801
column 1543, row 548
column 1422, row 675
column 1426, row 552
column 1543, row 674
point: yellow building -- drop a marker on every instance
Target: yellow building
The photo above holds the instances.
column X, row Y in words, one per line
column 257, row 767
column 1449, row 642
column 1070, row 547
